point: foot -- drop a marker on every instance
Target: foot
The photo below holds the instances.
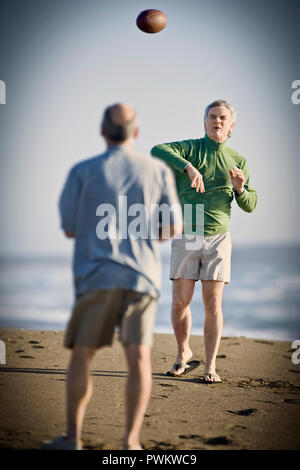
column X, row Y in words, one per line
column 181, row 361
column 62, row 443
column 131, row 446
column 211, row 377
column 127, row 447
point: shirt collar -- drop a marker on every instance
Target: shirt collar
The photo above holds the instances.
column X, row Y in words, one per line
column 214, row 145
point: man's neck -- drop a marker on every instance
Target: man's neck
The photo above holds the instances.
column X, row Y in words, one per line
column 126, row 143
column 213, row 143
column 218, row 141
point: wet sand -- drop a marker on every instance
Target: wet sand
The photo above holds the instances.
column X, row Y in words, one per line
column 257, row 406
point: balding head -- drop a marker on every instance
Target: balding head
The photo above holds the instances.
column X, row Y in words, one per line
column 119, row 123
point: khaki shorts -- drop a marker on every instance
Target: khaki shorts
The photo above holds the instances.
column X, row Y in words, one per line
column 96, row 314
column 205, row 258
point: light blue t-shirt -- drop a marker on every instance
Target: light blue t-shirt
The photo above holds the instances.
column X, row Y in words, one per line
column 105, row 203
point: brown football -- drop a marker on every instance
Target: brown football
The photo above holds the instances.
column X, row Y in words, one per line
column 151, row 21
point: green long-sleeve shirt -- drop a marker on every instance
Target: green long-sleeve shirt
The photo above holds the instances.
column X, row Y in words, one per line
column 213, row 160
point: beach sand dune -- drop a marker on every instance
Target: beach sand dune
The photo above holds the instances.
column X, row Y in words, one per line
column 257, row 406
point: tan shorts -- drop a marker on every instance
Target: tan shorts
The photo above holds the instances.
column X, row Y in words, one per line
column 96, row 314
column 205, row 258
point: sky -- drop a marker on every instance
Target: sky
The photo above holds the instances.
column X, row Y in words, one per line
column 64, row 61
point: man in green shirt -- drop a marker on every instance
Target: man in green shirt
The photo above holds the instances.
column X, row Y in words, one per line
column 209, row 175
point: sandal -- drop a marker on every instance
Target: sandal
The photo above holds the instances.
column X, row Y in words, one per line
column 188, row 367
column 211, row 378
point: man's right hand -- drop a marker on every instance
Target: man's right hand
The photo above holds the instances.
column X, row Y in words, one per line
column 195, row 177
column 69, row 234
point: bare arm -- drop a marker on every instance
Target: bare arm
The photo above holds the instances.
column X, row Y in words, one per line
column 165, row 233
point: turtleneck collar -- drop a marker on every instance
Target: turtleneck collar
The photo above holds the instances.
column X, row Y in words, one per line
column 214, row 145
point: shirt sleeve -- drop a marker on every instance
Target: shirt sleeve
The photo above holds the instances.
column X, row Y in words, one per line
column 248, row 199
column 68, row 201
column 169, row 196
column 174, row 154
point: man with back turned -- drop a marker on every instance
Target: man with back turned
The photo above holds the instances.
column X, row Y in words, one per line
column 116, row 275
column 209, row 174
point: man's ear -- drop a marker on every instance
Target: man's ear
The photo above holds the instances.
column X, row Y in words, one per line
column 136, row 133
column 230, row 130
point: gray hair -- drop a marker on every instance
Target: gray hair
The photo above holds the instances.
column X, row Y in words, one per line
column 118, row 132
column 220, row 103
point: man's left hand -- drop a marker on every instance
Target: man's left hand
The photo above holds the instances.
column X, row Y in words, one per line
column 69, row 234
column 237, row 179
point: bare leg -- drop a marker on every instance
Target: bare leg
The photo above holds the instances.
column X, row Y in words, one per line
column 138, row 390
column 183, row 290
column 212, row 293
column 79, row 389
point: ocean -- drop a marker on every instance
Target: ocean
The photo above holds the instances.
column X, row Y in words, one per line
column 261, row 301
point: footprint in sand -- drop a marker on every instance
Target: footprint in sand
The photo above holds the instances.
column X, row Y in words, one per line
column 293, row 370
column 263, row 342
column 161, row 445
column 236, row 426
column 269, row 384
column 36, row 344
column 212, row 441
column 294, row 401
column 247, row 412
column 170, row 387
column 218, row 440
column 268, row 402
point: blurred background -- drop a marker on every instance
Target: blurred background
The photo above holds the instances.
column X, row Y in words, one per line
column 64, row 61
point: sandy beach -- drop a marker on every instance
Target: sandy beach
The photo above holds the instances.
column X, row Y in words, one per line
column 257, row 406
